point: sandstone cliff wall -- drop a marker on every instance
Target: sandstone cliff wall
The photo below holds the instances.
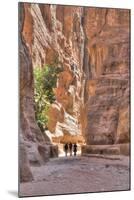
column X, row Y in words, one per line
column 58, row 35
column 34, row 148
column 108, row 48
column 92, row 45
column 92, row 93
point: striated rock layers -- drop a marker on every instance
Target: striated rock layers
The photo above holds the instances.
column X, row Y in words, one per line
column 108, row 86
column 58, row 37
column 92, row 92
column 34, row 147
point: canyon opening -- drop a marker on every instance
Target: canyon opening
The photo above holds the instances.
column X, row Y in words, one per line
column 74, row 134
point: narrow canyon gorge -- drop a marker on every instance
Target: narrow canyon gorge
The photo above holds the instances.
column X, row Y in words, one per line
column 92, row 93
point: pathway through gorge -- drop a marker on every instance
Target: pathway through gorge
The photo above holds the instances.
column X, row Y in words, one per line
column 82, row 58
column 79, row 174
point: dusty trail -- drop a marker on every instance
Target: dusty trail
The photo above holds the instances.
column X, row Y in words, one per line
column 78, row 174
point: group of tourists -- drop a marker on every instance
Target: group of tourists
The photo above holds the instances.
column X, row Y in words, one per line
column 71, row 148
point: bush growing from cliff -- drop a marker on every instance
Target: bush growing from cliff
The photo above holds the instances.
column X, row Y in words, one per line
column 44, row 81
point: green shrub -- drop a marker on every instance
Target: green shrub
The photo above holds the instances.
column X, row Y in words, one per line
column 44, row 81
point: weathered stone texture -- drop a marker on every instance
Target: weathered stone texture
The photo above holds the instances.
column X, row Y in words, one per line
column 92, row 46
column 34, row 149
column 107, row 31
column 92, row 93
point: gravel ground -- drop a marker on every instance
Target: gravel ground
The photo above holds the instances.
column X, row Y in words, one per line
column 77, row 175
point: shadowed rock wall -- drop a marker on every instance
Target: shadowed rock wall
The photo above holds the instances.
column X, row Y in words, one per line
column 34, row 148
column 92, row 92
column 108, row 49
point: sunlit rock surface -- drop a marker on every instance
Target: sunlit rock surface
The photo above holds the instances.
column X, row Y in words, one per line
column 92, row 46
column 92, row 92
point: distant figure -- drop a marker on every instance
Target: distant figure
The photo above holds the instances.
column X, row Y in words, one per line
column 70, row 148
column 75, row 149
column 66, row 149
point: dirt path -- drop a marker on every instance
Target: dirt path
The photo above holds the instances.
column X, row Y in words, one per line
column 78, row 174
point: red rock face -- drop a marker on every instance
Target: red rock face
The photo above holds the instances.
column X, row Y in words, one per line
column 92, row 47
column 108, row 86
column 31, row 141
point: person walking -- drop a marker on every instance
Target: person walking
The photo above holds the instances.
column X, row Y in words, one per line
column 66, row 149
column 70, row 148
column 75, row 149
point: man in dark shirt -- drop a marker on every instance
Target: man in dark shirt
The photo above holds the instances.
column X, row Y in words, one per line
column 75, row 149
column 66, row 149
column 70, row 148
